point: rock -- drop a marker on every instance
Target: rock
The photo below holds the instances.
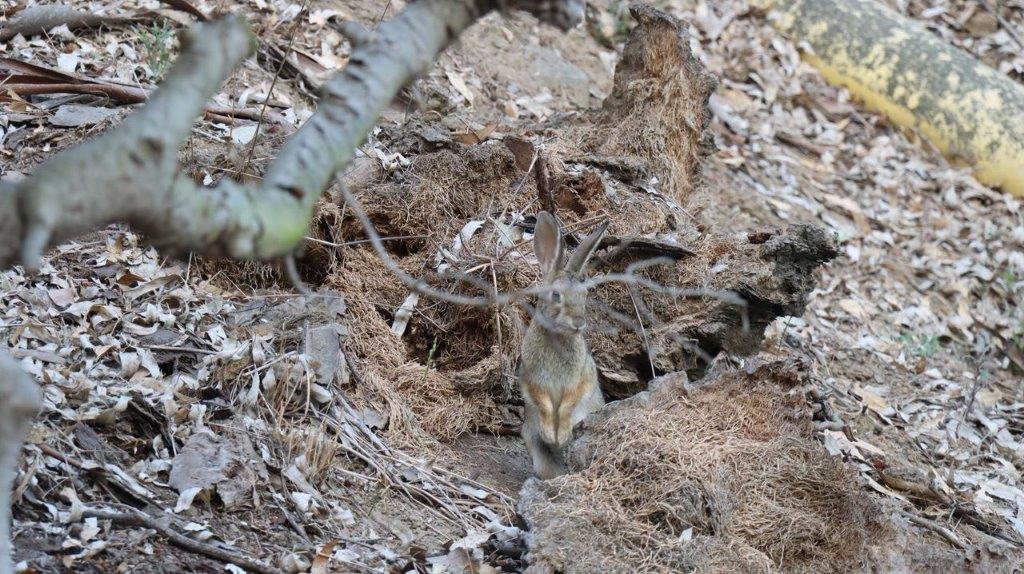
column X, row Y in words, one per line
column 74, row 115
column 982, row 23
column 549, row 69
column 215, row 464
column 323, row 348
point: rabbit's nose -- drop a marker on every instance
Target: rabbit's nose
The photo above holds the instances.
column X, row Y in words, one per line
column 577, row 323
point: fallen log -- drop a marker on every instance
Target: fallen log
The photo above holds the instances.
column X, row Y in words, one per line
column 971, row 112
column 38, row 19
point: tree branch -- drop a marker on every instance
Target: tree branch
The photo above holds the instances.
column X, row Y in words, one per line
column 131, row 174
column 21, row 400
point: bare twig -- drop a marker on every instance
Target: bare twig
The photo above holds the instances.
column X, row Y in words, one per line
column 440, row 489
column 273, row 84
column 633, row 296
column 135, row 517
column 963, row 511
column 108, row 474
column 185, row 6
column 179, row 349
column 363, row 241
column 251, row 114
column 934, row 527
column 28, row 79
column 918, row 490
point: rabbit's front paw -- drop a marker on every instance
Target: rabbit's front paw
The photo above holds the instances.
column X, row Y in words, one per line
column 549, row 435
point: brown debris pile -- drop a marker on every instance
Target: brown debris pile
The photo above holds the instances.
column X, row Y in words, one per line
column 432, row 377
column 772, row 272
column 726, row 477
column 439, row 203
column 729, row 478
column 917, row 327
column 445, row 371
column 658, row 109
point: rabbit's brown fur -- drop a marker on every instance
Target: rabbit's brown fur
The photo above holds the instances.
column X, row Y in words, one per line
column 557, row 375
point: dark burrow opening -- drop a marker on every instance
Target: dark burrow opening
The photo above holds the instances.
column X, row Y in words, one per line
column 453, row 340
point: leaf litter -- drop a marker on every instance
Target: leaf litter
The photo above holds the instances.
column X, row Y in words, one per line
column 915, row 336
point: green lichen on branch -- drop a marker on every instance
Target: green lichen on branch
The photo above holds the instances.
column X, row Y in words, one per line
column 970, row 111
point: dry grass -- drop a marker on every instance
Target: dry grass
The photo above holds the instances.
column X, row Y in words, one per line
column 732, row 468
column 657, row 111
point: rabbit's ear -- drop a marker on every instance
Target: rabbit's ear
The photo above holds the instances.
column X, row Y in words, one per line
column 547, row 244
column 578, row 262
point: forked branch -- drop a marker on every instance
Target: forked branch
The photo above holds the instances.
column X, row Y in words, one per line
column 131, row 174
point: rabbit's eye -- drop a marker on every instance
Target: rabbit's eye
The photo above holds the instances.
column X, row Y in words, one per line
column 556, row 297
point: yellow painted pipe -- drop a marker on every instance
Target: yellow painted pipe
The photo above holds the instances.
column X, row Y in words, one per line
column 971, row 112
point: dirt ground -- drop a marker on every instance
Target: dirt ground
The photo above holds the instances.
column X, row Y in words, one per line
column 871, row 416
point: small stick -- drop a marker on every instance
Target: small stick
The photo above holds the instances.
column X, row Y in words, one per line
column 27, row 79
column 184, row 6
column 135, row 517
column 934, row 527
column 498, row 430
column 249, row 114
column 547, row 199
column 179, row 349
column 362, row 241
column 643, row 331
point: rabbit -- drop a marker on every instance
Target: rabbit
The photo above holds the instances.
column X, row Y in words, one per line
column 557, row 375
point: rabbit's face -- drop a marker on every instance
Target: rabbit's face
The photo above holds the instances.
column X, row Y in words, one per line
column 565, row 306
